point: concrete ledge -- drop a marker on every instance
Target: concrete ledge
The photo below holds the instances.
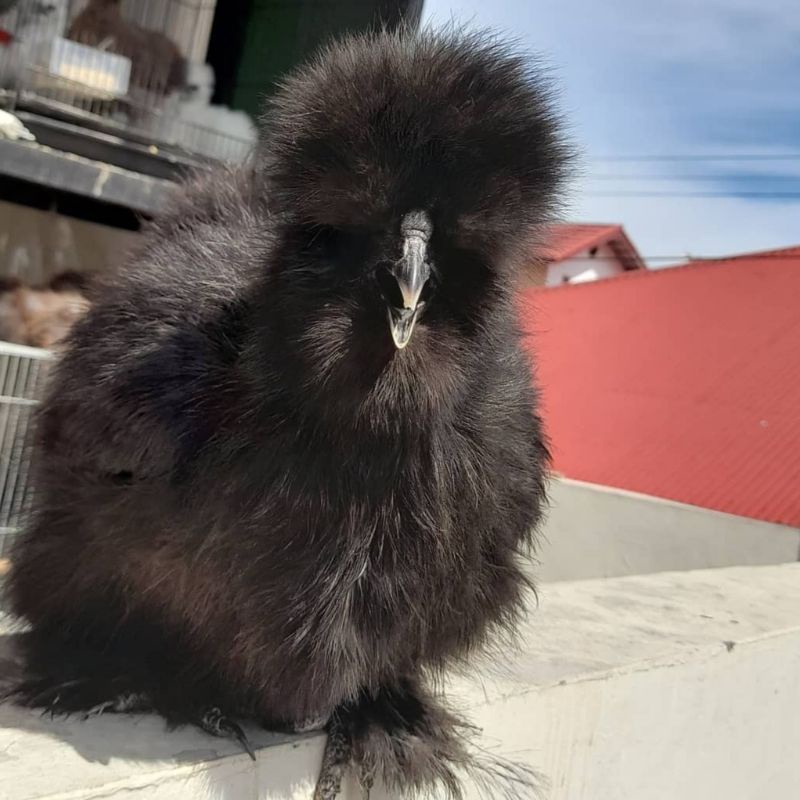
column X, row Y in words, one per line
column 676, row 686
column 600, row 532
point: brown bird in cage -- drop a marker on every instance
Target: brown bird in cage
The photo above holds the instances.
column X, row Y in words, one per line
column 42, row 316
column 157, row 66
column 291, row 461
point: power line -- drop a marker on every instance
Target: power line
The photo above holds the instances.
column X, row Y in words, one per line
column 707, row 194
column 694, row 177
column 699, row 157
column 690, row 257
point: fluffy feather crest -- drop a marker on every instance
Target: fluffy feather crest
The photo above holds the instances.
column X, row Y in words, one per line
column 459, row 124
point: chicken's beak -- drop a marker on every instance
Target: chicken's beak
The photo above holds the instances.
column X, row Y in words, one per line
column 411, row 273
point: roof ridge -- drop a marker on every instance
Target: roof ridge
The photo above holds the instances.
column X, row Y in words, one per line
column 750, row 254
column 576, row 224
column 564, row 240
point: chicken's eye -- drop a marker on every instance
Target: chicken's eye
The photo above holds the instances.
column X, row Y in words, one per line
column 323, row 240
column 344, row 249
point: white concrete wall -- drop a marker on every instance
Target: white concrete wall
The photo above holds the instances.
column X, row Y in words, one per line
column 676, row 686
column 598, row 532
column 605, row 263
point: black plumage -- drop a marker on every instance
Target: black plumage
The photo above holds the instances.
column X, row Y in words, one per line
column 251, row 495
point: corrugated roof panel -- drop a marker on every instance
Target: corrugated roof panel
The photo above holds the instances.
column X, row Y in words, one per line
column 682, row 383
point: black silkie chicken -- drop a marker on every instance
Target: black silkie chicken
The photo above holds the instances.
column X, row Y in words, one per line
column 290, row 461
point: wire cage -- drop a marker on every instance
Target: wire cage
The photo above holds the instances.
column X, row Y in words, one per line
column 23, row 371
column 130, row 68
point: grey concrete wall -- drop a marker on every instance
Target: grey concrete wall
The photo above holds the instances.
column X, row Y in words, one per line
column 598, row 532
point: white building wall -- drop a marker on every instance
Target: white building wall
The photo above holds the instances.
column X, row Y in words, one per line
column 604, row 264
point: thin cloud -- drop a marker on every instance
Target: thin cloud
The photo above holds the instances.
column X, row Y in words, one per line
column 720, row 77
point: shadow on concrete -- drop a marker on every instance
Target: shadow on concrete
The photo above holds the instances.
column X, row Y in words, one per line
column 52, row 753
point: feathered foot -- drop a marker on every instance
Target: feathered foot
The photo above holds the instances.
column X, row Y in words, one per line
column 64, row 695
column 214, row 722
column 407, row 738
column 87, row 696
column 335, row 761
column 63, row 679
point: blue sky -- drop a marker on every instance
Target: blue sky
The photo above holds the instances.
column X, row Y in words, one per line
column 718, row 78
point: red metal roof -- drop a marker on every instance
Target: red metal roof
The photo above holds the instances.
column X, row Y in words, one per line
column 566, row 240
column 682, row 383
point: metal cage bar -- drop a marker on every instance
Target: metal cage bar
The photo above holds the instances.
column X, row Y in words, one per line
column 128, row 68
column 23, row 371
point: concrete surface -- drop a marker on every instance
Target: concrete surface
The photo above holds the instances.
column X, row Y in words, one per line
column 675, row 686
column 600, row 532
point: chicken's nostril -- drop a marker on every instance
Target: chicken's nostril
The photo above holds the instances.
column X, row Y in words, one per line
column 389, row 287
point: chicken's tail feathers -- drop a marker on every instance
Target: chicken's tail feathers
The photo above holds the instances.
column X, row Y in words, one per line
column 409, row 740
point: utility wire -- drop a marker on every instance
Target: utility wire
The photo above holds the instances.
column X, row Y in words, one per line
column 690, row 257
column 788, row 195
column 693, row 177
column 700, row 157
